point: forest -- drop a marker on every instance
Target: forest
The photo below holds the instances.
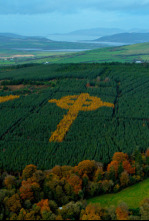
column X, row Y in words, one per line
column 106, row 105
column 60, row 193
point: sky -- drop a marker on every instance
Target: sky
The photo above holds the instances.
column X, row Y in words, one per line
column 44, row 17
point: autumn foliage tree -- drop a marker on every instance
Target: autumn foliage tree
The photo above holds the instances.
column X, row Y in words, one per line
column 76, row 183
column 92, row 212
column 128, row 167
column 10, row 181
column 44, row 206
column 26, row 191
column 120, row 157
column 119, row 164
column 98, row 174
column 113, row 166
column 122, row 212
column 124, row 179
column 14, row 203
column 57, row 171
column 147, row 153
column 29, row 171
column 86, row 167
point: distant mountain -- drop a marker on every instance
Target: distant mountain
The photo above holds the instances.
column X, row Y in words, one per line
column 10, row 41
column 130, row 38
column 15, row 36
column 96, row 31
column 138, row 30
column 10, row 35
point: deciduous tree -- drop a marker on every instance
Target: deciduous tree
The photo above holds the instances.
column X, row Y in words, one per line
column 122, row 212
column 124, row 179
column 14, row 203
column 29, row 171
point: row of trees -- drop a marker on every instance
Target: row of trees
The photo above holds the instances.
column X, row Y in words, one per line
column 60, row 193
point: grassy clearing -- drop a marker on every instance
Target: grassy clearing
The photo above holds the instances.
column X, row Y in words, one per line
column 132, row 196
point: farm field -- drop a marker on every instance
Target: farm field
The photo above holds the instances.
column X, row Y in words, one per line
column 129, row 53
column 14, row 57
column 132, row 196
column 21, row 49
column 67, row 113
column 123, row 54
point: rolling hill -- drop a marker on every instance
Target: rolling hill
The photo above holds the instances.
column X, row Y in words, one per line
column 97, row 31
column 12, row 42
column 130, row 38
column 129, row 53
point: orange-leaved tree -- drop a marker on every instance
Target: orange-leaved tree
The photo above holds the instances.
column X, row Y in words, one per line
column 26, row 191
column 113, row 166
column 44, row 206
column 76, row 183
column 122, row 212
column 128, row 167
column 120, row 157
column 147, row 153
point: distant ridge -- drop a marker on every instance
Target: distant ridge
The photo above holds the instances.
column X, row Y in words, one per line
column 130, row 38
column 97, row 31
column 17, row 42
column 16, row 36
column 103, row 31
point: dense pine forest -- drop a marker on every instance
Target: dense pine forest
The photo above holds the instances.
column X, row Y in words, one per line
column 107, row 106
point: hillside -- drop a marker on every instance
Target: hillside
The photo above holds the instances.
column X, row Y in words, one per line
column 15, row 36
column 14, row 42
column 130, row 53
column 38, row 51
column 15, row 49
column 131, row 38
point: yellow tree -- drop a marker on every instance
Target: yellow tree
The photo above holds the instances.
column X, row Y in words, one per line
column 14, row 203
column 29, row 171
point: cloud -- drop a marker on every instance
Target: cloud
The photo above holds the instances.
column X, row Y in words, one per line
column 45, row 24
column 70, row 6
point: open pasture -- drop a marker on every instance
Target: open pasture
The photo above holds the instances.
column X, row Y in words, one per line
column 118, row 120
column 132, row 196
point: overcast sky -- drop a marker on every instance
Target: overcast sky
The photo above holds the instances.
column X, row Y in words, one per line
column 43, row 17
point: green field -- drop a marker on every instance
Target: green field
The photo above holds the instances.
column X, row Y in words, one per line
column 40, row 48
column 132, row 196
column 38, row 57
column 28, row 123
column 121, row 54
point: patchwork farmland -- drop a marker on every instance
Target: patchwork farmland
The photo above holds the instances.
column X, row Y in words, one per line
column 63, row 114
